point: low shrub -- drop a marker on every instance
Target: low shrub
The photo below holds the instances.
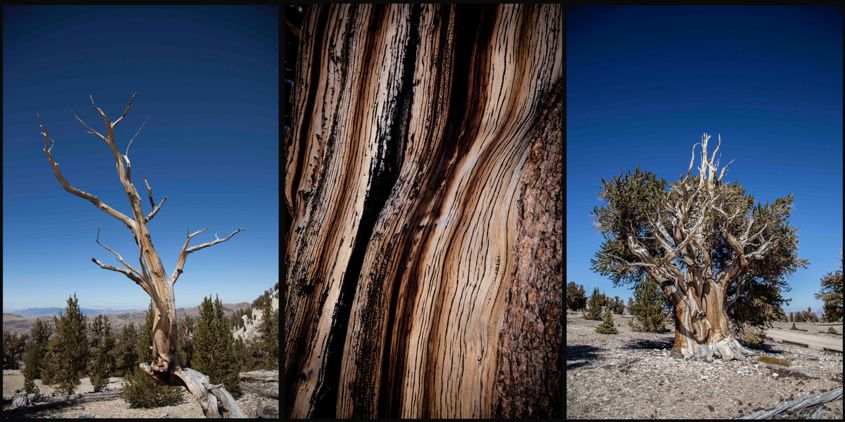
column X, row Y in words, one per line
column 774, row 361
column 832, row 330
column 607, row 326
column 140, row 390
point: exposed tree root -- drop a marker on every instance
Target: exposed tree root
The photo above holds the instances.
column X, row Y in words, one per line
column 214, row 405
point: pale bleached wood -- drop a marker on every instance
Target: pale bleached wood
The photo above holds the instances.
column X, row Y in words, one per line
column 411, row 129
column 165, row 365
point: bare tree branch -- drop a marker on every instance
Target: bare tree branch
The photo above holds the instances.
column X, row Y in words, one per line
column 117, row 255
column 90, row 129
column 126, row 155
column 138, row 280
column 48, row 146
column 125, row 111
column 183, row 255
column 152, row 202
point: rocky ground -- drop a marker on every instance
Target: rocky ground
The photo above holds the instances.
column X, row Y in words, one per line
column 631, row 375
column 118, row 408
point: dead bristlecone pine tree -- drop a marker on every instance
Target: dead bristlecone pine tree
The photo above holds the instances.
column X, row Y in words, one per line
column 150, row 275
column 423, row 264
column 721, row 260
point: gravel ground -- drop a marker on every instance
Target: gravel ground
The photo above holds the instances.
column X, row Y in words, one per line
column 631, row 375
column 118, row 408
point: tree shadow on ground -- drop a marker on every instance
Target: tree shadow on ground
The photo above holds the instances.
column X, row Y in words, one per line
column 650, row 344
column 762, row 347
column 582, row 355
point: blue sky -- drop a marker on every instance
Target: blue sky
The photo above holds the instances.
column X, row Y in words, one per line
column 644, row 83
column 207, row 77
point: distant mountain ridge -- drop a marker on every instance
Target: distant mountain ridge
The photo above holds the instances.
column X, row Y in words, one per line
column 51, row 311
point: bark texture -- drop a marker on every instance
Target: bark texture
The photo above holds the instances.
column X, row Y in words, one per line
column 423, row 173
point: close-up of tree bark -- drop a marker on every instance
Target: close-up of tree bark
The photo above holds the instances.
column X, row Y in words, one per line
column 152, row 278
column 423, row 254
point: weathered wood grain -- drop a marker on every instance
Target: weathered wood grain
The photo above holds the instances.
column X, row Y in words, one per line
column 423, row 174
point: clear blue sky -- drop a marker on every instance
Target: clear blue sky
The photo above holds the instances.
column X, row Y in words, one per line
column 644, row 83
column 207, row 77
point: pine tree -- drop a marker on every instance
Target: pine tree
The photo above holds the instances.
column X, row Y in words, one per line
column 269, row 332
column 13, row 348
column 831, row 295
column 214, row 347
column 35, row 354
column 141, row 390
column 126, row 350
column 593, row 311
column 649, row 308
column 185, row 341
column 101, row 345
column 630, row 305
column 144, row 347
column 69, row 348
column 575, row 298
column 607, row 326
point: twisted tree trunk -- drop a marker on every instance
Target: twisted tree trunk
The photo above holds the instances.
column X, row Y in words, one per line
column 165, row 365
column 424, row 165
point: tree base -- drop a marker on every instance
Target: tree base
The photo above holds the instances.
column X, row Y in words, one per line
column 214, row 405
column 728, row 348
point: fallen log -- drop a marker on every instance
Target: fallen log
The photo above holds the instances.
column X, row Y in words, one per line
column 260, row 391
column 258, row 376
column 29, row 405
column 798, row 404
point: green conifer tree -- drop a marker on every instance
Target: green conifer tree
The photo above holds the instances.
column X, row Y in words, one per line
column 126, row 350
column 593, row 311
column 214, row 347
column 101, row 344
column 607, row 326
column 13, row 348
column 69, row 347
column 35, row 354
column 144, row 346
column 648, row 309
column 185, row 341
column 269, row 332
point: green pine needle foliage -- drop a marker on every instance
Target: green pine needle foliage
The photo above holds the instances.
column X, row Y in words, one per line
column 101, row 346
column 648, row 309
column 593, row 311
column 68, row 349
column 214, row 347
column 141, row 390
column 607, row 326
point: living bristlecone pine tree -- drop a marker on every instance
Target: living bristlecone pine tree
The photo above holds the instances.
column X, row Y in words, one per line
column 185, row 340
column 36, row 354
column 101, row 344
column 68, row 348
column 720, row 259
column 647, row 308
column 214, row 347
column 575, row 297
column 593, row 310
column 269, row 332
column 125, row 352
column 607, row 326
column 831, row 295
column 13, row 348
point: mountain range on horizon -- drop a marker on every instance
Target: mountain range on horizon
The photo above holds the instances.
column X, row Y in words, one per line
column 54, row 310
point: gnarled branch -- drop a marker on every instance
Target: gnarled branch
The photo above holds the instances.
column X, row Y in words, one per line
column 152, row 202
column 117, row 255
column 48, row 146
column 183, row 255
